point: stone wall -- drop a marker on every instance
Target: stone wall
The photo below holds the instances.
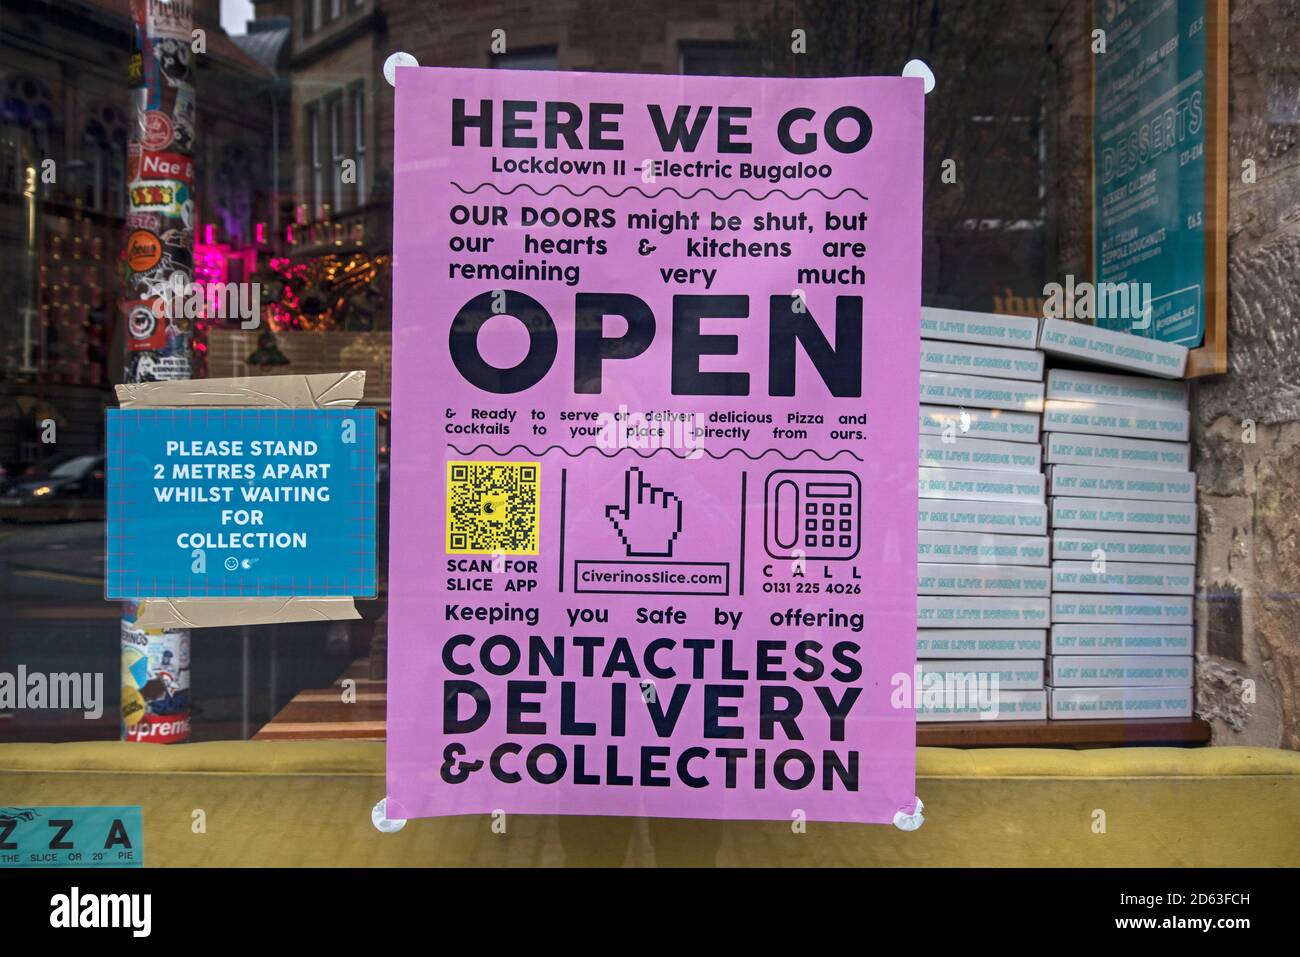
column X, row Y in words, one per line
column 1247, row 423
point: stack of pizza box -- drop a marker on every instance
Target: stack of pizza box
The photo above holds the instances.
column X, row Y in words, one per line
column 1122, row 504
column 983, row 575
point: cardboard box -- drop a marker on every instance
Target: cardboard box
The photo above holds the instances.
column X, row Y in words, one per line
column 980, row 423
column 1108, row 387
column 1013, row 518
column 1089, row 609
column 1132, row 421
column 1089, row 481
column 982, row 486
column 1083, row 703
column 976, row 549
column 1129, row 578
column 970, row 643
column 987, row 454
column 968, row 359
column 1006, row 706
column 981, row 392
column 1011, row 674
column 1080, row 639
column 1123, row 515
column 965, row 579
column 981, row 328
column 1121, row 671
column 1120, row 350
column 948, row 611
column 1079, row 545
column 1109, row 451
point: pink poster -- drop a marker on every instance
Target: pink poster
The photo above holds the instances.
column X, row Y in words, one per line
column 655, row 379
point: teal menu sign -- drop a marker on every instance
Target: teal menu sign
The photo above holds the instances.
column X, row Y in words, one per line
column 71, row 836
column 1151, row 117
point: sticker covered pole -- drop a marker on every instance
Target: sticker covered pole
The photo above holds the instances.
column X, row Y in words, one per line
column 158, row 270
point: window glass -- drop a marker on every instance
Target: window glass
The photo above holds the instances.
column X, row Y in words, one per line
column 252, row 174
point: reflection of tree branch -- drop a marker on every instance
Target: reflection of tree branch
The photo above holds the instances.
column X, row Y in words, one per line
column 991, row 65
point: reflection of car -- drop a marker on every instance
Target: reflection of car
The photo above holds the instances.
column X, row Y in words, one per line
column 64, row 487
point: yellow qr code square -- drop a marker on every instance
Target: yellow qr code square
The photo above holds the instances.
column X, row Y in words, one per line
column 493, row 507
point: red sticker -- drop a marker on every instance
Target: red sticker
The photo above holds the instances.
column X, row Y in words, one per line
column 166, row 165
column 145, row 331
column 157, row 132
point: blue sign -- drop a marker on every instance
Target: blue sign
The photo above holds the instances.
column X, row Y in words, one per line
column 71, row 836
column 1149, row 135
column 226, row 503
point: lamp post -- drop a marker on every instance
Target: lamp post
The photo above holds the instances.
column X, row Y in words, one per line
column 158, row 263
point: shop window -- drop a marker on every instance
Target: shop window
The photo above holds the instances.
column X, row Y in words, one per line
column 312, row 12
column 232, row 199
column 317, row 159
column 27, row 117
column 359, row 140
column 98, row 171
column 336, row 152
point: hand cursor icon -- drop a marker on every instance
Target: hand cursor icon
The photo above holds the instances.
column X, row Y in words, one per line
column 650, row 518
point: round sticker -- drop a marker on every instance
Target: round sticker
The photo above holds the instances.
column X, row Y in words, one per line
column 143, row 250
column 157, row 133
column 141, row 322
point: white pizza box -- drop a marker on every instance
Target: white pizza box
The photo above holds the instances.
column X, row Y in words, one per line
column 1090, row 481
column 1131, row 421
column 969, row 643
column 1072, row 638
column 1083, row 703
column 1006, row 674
column 964, row 611
column 980, row 423
column 1115, row 389
column 993, row 580
column 981, row 328
column 1004, row 706
column 1123, row 515
column 969, row 359
column 981, row 549
column 1068, row 448
column 1012, row 518
column 1120, row 671
column 1086, row 608
column 1129, row 578
column 981, row 486
column 987, row 454
column 1082, row 545
column 982, row 392
column 1120, row 350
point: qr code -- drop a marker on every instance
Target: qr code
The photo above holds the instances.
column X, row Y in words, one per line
column 493, row 507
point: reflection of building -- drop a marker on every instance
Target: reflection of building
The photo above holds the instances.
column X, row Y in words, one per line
column 984, row 232
column 63, row 186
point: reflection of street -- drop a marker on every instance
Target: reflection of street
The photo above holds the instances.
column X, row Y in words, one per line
column 54, row 570
column 55, row 619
